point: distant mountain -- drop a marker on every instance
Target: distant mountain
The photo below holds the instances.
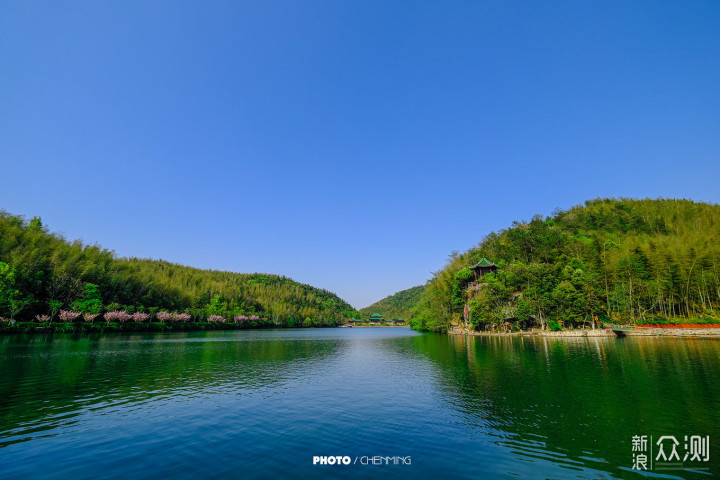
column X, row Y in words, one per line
column 41, row 273
column 621, row 260
column 397, row 305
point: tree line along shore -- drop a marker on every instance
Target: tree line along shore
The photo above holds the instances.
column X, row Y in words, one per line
column 42, row 274
column 609, row 261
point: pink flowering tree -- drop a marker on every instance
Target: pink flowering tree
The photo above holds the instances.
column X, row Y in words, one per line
column 241, row 318
column 164, row 316
column 182, row 317
column 254, row 318
column 110, row 316
column 89, row 317
column 42, row 318
column 117, row 316
column 216, row 319
column 140, row 316
column 68, row 315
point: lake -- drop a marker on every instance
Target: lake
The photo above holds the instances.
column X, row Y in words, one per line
column 396, row 403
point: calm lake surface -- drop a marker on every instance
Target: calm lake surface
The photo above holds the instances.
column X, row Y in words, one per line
column 261, row 404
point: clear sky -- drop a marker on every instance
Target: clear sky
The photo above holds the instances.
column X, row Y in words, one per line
column 351, row 145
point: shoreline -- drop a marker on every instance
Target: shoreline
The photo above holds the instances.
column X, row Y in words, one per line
column 379, row 326
column 27, row 328
column 630, row 332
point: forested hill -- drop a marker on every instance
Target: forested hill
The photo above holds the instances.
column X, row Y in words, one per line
column 620, row 259
column 395, row 306
column 41, row 273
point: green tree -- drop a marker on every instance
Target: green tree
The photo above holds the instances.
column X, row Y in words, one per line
column 90, row 301
column 489, row 307
column 12, row 300
column 54, row 307
column 217, row 306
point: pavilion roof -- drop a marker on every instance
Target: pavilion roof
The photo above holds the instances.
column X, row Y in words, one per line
column 483, row 263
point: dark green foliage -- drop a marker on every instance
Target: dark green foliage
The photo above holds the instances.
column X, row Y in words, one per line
column 461, row 280
column 12, row 300
column 620, row 259
column 395, row 306
column 41, row 273
column 90, row 301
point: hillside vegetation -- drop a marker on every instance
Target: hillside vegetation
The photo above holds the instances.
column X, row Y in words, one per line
column 397, row 305
column 621, row 260
column 42, row 273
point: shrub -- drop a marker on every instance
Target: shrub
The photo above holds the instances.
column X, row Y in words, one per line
column 554, row 326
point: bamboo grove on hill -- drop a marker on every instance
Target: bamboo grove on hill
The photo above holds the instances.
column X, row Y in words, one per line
column 621, row 260
column 41, row 274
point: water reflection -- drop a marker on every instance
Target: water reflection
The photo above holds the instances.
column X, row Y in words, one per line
column 260, row 404
column 579, row 401
column 48, row 381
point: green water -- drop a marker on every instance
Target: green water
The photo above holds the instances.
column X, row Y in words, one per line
column 262, row 404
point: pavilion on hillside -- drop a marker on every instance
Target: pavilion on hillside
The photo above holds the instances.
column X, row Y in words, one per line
column 482, row 267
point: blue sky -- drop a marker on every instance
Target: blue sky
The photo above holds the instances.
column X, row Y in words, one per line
column 351, row 145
